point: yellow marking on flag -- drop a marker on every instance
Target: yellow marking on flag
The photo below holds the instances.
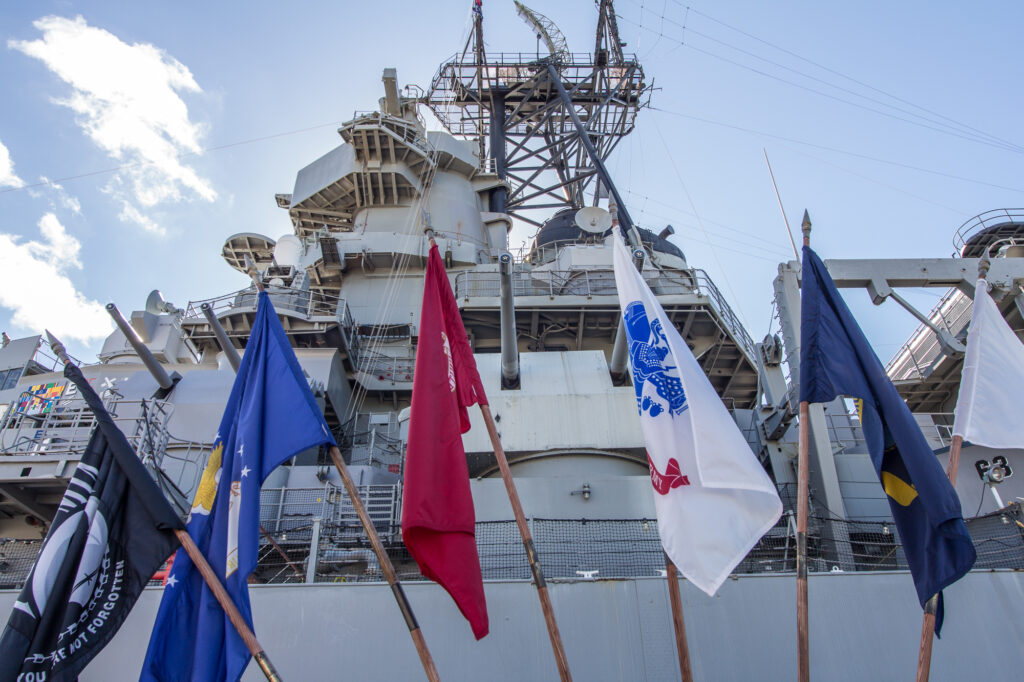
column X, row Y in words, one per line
column 203, row 502
column 859, row 402
column 898, row 489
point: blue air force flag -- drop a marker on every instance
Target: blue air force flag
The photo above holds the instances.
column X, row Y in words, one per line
column 270, row 416
column 836, row 359
column 714, row 500
column 112, row 531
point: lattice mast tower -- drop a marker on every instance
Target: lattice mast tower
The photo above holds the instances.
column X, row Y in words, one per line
column 520, row 107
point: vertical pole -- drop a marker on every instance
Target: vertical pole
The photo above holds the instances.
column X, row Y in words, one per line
column 803, row 657
column 802, row 503
column 677, row 620
column 233, row 614
column 386, row 567
column 924, row 657
column 314, row 552
column 531, row 553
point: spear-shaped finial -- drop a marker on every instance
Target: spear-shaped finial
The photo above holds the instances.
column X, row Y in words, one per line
column 805, row 227
column 58, row 348
column 983, row 265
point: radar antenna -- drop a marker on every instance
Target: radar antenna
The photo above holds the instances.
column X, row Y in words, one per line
column 546, row 31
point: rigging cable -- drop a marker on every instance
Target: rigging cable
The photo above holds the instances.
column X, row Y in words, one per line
column 946, row 129
column 714, row 252
column 834, row 149
column 840, row 74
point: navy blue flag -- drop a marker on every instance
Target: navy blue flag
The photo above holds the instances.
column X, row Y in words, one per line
column 270, row 417
column 835, row 360
column 112, row 531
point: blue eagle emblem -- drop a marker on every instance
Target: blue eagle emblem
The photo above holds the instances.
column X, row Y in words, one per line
column 648, row 348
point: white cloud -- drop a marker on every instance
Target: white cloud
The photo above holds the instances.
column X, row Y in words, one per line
column 131, row 214
column 127, row 100
column 7, row 176
column 60, row 196
column 34, row 285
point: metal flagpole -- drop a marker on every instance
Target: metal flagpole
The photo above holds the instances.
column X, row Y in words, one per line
column 371, row 532
column 212, row 581
column 524, row 531
column 803, row 658
column 677, row 620
column 924, row 656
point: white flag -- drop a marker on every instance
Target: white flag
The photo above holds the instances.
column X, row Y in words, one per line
column 988, row 410
column 714, row 500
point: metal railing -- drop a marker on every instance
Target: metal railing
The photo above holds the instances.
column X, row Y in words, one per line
column 601, row 282
column 984, row 221
column 373, row 439
column 318, row 525
column 306, row 303
column 291, row 511
column 65, row 429
column 396, row 365
column 589, row 549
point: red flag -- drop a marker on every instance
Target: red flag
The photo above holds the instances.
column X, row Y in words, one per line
column 438, row 523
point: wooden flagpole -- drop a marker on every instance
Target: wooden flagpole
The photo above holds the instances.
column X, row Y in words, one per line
column 803, row 658
column 924, row 656
column 677, row 620
column 234, row 615
column 385, row 566
column 802, row 647
column 212, row 581
column 531, row 552
column 524, row 530
column 378, row 548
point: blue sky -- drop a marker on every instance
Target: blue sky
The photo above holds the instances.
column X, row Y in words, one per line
column 137, row 137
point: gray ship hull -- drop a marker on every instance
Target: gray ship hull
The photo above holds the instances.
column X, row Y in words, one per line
column 864, row 626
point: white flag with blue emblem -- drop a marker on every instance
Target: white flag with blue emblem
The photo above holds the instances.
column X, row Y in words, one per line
column 714, row 500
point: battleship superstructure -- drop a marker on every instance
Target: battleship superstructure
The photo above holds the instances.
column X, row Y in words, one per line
column 524, row 142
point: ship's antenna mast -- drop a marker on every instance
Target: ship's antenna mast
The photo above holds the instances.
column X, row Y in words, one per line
column 608, row 34
column 523, row 122
column 481, row 61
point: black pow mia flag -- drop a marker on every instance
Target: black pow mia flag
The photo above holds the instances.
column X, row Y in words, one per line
column 112, row 531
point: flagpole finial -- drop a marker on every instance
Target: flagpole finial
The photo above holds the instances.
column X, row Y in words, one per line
column 983, row 265
column 58, row 348
column 805, row 227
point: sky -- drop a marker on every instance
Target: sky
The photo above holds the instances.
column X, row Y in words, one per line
column 135, row 138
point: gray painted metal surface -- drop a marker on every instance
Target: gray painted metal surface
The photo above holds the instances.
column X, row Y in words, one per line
column 864, row 626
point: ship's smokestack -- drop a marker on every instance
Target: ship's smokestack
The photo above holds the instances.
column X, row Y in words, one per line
column 152, row 364
column 391, row 102
column 509, row 346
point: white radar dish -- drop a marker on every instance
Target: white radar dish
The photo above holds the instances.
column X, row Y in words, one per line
column 593, row 219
